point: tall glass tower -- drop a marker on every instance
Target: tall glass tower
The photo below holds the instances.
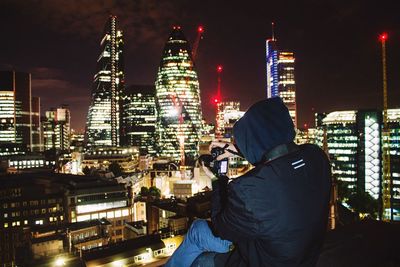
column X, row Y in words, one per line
column 280, row 76
column 19, row 111
column 139, row 118
column 102, row 128
column 178, row 101
column 354, row 143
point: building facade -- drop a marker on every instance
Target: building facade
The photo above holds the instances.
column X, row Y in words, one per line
column 280, row 76
column 57, row 129
column 353, row 142
column 178, row 100
column 103, row 121
column 139, row 118
column 88, row 211
column 19, row 111
column 228, row 112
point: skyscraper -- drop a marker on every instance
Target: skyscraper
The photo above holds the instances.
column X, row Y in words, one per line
column 19, row 111
column 57, row 129
column 280, row 76
column 103, row 121
column 139, row 118
column 354, row 144
column 178, row 100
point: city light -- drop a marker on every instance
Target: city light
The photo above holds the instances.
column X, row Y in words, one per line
column 383, row 37
column 60, row 262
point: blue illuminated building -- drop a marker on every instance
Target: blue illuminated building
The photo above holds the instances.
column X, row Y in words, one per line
column 280, row 76
column 272, row 68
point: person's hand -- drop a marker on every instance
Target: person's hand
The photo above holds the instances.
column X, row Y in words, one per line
column 208, row 172
column 222, row 144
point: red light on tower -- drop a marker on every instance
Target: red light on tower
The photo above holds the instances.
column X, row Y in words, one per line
column 383, row 37
column 219, row 68
column 215, row 100
column 200, row 29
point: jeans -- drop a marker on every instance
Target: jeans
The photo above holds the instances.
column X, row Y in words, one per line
column 198, row 239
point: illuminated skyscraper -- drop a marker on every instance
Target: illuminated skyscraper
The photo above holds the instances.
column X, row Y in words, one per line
column 19, row 111
column 280, row 76
column 354, row 144
column 102, row 128
column 57, row 129
column 139, row 118
column 178, row 100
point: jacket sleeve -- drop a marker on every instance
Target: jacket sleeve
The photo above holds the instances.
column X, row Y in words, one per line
column 230, row 218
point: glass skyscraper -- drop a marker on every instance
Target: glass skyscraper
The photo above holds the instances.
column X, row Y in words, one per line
column 57, row 129
column 19, row 111
column 178, row 100
column 280, row 76
column 139, row 118
column 103, row 121
column 353, row 140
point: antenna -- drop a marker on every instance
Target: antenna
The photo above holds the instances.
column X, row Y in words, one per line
column 272, row 30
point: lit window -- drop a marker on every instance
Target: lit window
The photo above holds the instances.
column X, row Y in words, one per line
column 110, row 215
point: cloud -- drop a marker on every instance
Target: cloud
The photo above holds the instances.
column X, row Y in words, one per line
column 142, row 21
column 4, row 66
column 49, row 80
column 51, row 86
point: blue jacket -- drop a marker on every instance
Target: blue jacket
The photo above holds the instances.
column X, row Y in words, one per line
column 276, row 214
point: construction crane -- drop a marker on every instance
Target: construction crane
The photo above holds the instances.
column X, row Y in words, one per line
column 217, row 102
column 200, row 31
column 387, row 180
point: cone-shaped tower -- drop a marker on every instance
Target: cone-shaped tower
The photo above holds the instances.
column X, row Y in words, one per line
column 102, row 127
column 178, row 101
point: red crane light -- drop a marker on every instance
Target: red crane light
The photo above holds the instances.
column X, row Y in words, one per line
column 200, row 29
column 219, row 68
column 383, row 37
column 215, row 100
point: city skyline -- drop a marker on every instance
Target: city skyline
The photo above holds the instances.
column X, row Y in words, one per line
column 336, row 47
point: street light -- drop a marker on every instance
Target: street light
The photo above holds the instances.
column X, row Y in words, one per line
column 60, row 262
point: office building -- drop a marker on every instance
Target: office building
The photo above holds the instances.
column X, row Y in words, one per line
column 103, row 121
column 228, row 112
column 178, row 101
column 280, row 76
column 101, row 158
column 353, row 142
column 57, row 129
column 37, row 205
column 139, row 118
column 19, row 111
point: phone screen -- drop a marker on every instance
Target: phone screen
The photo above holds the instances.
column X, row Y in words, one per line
column 224, row 167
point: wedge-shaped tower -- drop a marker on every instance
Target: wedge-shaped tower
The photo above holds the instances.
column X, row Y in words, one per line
column 178, row 101
column 103, row 121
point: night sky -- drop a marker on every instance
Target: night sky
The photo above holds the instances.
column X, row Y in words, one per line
column 338, row 64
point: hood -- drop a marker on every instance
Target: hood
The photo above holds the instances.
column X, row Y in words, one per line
column 265, row 125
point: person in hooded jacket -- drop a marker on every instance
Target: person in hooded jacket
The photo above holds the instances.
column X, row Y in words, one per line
column 276, row 214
